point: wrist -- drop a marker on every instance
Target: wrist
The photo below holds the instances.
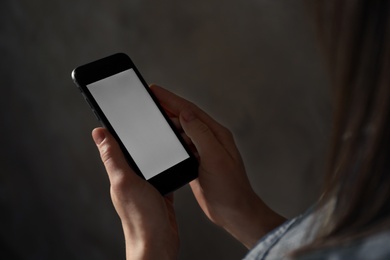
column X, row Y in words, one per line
column 148, row 251
column 155, row 246
column 251, row 220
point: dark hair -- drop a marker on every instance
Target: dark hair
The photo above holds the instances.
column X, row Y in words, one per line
column 355, row 35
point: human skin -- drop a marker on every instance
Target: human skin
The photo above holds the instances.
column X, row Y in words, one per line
column 222, row 189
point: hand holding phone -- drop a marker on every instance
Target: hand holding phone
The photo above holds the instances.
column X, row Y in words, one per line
column 124, row 104
column 147, row 217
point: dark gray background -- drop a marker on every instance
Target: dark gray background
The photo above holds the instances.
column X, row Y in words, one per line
column 254, row 65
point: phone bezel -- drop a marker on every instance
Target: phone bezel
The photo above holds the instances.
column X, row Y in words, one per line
column 166, row 181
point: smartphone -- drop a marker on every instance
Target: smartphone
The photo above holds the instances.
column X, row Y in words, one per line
column 124, row 104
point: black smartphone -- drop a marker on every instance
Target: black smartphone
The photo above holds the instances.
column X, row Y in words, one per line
column 124, row 104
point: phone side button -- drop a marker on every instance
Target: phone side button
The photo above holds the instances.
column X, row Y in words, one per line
column 89, row 103
column 96, row 115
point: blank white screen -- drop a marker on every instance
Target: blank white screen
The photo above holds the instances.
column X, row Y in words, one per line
column 138, row 122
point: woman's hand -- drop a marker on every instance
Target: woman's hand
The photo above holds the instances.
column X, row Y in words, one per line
column 222, row 189
column 148, row 219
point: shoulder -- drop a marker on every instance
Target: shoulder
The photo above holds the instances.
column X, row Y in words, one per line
column 299, row 231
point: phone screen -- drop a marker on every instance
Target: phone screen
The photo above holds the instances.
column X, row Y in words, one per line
column 138, row 122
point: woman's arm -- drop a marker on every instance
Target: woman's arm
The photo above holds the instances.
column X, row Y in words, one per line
column 222, row 189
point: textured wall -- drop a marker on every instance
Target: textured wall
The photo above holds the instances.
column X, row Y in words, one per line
column 252, row 64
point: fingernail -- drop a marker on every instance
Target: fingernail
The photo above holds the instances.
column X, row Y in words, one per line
column 188, row 115
column 98, row 137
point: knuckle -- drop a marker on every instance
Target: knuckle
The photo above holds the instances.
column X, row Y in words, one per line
column 119, row 193
column 119, row 183
column 110, row 161
column 105, row 152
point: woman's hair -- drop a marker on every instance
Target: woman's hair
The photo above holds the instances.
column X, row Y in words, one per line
column 355, row 35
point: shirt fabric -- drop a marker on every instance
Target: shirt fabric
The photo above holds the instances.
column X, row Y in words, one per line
column 299, row 231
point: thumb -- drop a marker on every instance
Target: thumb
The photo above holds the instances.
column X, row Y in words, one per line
column 118, row 170
column 200, row 134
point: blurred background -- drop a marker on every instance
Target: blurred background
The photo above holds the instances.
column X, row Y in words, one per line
column 254, row 65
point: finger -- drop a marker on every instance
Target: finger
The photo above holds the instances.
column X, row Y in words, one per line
column 176, row 123
column 201, row 136
column 169, row 201
column 194, row 151
column 186, row 139
column 170, row 114
column 118, row 170
column 170, row 198
column 176, row 105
